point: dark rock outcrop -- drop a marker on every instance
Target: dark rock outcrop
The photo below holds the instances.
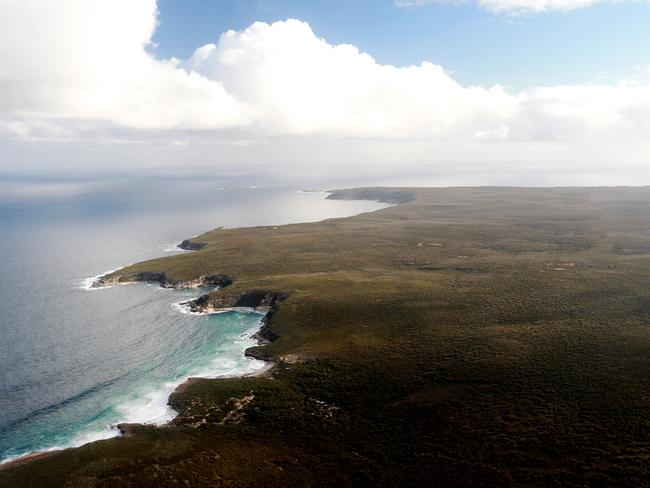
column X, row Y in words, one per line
column 255, row 299
column 128, row 429
column 117, row 278
column 261, row 300
column 192, row 246
column 162, row 280
column 207, row 280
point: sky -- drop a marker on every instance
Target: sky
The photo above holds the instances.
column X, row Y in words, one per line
column 474, row 44
column 531, row 92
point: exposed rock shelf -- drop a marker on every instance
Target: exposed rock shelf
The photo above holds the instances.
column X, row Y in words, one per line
column 191, row 246
column 160, row 278
column 260, row 300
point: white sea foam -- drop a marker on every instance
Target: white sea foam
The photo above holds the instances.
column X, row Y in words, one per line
column 152, row 407
column 183, row 307
column 88, row 437
column 83, row 438
column 175, row 248
column 87, row 283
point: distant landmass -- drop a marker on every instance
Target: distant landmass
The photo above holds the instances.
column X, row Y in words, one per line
column 461, row 337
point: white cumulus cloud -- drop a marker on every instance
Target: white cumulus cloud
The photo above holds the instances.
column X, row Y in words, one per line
column 301, row 84
column 86, row 59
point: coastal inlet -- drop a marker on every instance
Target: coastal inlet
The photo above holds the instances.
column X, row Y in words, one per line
column 73, row 362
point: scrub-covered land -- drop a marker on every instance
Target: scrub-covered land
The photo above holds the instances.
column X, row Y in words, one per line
column 464, row 336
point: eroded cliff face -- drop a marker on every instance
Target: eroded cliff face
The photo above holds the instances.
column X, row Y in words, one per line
column 255, row 299
column 160, row 278
column 259, row 299
column 207, row 280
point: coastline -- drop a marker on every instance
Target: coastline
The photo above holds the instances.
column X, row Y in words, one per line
column 186, row 246
column 192, row 307
column 254, row 300
column 27, row 458
column 120, row 426
column 261, row 301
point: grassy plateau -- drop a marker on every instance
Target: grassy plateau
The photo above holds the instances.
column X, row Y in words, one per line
column 463, row 337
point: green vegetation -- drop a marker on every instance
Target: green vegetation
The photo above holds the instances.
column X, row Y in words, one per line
column 469, row 336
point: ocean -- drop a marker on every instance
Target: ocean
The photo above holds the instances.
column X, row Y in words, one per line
column 74, row 362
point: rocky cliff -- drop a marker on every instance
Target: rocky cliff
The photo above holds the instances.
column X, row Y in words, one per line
column 160, row 278
column 260, row 300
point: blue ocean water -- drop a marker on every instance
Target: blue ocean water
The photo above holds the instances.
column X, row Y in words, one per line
column 74, row 362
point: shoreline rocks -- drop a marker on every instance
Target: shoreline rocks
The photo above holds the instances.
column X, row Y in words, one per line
column 188, row 245
column 255, row 299
column 160, row 278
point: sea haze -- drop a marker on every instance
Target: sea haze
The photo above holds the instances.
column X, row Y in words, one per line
column 74, row 362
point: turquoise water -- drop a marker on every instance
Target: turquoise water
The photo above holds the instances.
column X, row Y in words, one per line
column 208, row 346
column 74, row 362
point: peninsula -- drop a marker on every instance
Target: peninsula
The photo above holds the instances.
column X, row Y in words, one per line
column 461, row 337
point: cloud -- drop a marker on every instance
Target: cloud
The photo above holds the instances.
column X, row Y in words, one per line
column 84, row 73
column 300, row 84
column 86, row 59
column 515, row 6
column 519, row 6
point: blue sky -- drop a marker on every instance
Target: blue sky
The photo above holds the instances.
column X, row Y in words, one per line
column 603, row 42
